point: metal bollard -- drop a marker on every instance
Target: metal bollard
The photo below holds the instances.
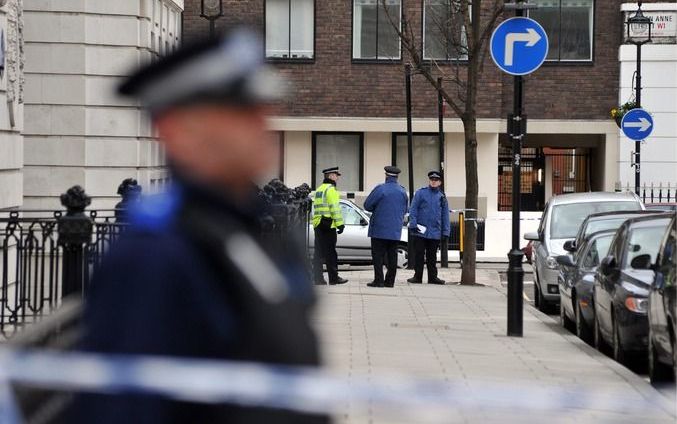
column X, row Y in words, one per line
column 75, row 231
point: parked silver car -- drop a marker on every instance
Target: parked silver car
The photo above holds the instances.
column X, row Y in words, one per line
column 353, row 245
column 560, row 222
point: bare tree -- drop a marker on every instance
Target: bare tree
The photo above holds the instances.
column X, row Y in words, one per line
column 462, row 29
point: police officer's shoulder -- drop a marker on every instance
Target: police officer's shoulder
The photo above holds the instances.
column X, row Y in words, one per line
column 155, row 213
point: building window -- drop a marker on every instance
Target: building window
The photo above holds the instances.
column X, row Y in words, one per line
column 344, row 150
column 444, row 34
column 290, row 29
column 426, row 149
column 568, row 24
column 373, row 34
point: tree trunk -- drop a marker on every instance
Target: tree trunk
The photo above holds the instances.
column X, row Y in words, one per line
column 471, row 191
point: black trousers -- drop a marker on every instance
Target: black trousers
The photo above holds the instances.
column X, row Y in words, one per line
column 325, row 251
column 427, row 247
column 384, row 249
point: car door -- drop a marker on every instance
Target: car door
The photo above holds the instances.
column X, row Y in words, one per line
column 353, row 244
column 662, row 296
column 605, row 285
column 539, row 250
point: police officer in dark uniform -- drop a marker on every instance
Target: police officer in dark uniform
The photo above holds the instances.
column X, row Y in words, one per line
column 130, row 190
column 191, row 277
column 429, row 220
column 388, row 203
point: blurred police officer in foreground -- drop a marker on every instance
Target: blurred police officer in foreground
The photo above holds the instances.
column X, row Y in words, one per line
column 388, row 204
column 429, row 220
column 327, row 222
column 191, row 278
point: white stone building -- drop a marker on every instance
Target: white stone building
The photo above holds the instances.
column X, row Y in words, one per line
column 11, row 103
column 659, row 97
column 62, row 62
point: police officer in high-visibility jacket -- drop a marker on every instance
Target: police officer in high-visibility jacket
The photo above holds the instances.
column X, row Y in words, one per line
column 327, row 222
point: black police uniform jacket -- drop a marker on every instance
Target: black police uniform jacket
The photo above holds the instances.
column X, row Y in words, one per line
column 191, row 278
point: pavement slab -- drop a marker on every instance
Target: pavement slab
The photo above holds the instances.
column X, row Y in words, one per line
column 456, row 335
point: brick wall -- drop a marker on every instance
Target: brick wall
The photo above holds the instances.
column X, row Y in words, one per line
column 336, row 86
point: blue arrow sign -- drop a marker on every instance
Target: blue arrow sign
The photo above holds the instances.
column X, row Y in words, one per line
column 637, row 124
column 519, row 46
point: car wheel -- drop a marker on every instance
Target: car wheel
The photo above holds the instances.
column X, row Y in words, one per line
column 582, row 329
column 402, row 256
column 658, row 371
column 543, row 304
column 618, row 352
column 564, row 320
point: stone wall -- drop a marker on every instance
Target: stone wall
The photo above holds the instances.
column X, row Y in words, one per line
column 78, row 131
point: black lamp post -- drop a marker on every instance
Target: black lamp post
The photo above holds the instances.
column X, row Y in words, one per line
column 211, row 10
column 638, row 33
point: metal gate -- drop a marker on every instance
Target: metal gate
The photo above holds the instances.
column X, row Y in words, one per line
column 570, row 170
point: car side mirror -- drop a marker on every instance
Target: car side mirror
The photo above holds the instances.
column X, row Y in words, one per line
column 607, row 265
column 363, row 222
column 565, row 260
column 641, row 261
column 570, row 245
column 533, row 236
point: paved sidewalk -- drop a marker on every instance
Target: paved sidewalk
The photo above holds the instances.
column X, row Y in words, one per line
column 457, row 334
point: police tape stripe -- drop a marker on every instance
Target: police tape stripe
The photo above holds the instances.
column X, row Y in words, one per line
column 299, row 389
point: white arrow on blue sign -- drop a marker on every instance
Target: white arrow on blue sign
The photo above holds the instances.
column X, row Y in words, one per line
column 637, row 124
column 519, row 46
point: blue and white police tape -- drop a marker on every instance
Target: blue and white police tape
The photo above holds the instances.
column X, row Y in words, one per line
column 301, row 389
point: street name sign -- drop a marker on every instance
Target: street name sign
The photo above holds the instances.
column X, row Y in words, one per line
column 519, row 46
column 637, row 124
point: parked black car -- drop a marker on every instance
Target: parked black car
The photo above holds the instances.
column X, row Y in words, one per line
column 622, row 285
column 577, row 275
column 601, row 222
column 663, row 310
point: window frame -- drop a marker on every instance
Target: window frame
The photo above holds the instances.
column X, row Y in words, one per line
column 393, row 151
column 375, row 60
column 313, row 160
column 463, row 60
column 301, row 60
column 576, row 62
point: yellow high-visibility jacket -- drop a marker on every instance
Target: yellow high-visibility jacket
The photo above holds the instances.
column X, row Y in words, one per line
column 326, row 203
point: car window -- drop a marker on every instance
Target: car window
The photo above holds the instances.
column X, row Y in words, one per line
column 603, row 225
column 350, row 215
column 598, row 250
column 644, row 241
column 567, row 218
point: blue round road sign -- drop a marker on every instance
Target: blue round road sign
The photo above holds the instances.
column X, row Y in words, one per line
column 637, row 124
column 519, row 46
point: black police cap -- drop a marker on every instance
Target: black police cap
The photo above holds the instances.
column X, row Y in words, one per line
column 392, row 171
column 332, row 170
column 228, row 70
column 435, row 175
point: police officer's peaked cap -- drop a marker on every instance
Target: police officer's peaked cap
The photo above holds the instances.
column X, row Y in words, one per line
column 392, row 171
column 434, row 174
column 229, row 70
column 332, row 170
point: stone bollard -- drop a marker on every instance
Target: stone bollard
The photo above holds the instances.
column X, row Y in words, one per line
column 75, row 232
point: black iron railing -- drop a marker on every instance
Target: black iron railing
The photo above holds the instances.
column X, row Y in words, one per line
column 654, row 193
column 455, row 235
column 46, row 256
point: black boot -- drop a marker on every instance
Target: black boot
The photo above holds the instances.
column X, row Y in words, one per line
column 338, row 280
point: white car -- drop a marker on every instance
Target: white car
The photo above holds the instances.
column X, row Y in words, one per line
column 354, row 245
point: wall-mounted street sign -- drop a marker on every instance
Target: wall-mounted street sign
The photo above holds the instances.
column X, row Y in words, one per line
column 519, row 46
column 637, row 124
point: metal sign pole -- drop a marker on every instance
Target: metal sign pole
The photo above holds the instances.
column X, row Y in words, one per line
column 410, row 160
